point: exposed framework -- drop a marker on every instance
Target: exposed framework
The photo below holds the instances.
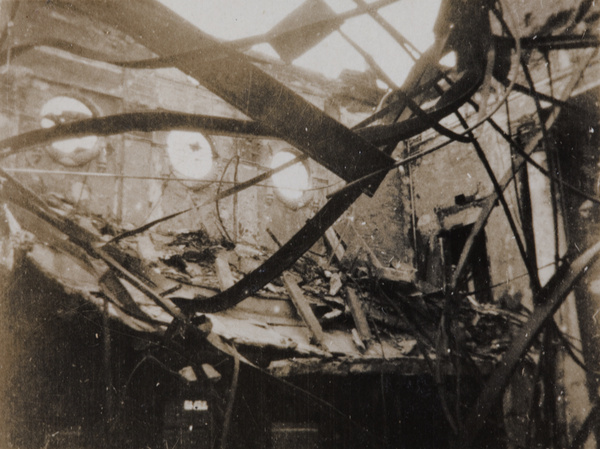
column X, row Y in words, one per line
column 237, row 79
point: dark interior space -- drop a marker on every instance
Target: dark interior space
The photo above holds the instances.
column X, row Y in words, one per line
column 307, row 224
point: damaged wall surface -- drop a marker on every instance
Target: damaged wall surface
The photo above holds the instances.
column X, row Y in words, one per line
column 411, row 287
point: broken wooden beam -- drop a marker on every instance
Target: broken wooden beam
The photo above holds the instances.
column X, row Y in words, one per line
column 224, row 274
column 358, row 342
column 358, row 315
column 335, row 244
column 304, row 310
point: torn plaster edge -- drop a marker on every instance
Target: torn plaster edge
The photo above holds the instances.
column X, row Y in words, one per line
column 265, row 337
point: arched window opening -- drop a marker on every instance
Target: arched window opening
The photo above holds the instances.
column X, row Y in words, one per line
column 292, row 182
column 190, row 154
column 70, row 152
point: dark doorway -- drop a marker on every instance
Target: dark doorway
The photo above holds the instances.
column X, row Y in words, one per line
column 478, row 271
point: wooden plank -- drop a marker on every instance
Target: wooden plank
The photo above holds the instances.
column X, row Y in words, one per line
column 335, row 243
column 304, row 310
column 358, row 342
column 358, row 315
column 223, row 273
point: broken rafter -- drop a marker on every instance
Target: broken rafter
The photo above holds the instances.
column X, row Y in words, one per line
column 304, row 310
column 335, row 243
column 450, row 101
column 405, row 99
column 358, row 315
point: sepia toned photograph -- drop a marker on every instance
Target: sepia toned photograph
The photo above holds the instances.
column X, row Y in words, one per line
column 299, row 224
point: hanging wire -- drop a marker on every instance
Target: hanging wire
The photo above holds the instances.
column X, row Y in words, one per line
column 157, row 178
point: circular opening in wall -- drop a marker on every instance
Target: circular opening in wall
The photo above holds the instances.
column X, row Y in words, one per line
column 71, row 152
column 292, row 182
column 190, row 153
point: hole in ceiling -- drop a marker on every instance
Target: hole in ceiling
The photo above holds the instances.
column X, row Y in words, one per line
column 190, row 153
column 292, row 182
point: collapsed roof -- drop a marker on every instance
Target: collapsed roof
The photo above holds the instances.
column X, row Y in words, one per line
column 154, row 284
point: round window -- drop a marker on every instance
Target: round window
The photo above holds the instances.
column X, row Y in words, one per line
column 292, row 182
column 190, row 154
column 70, row 152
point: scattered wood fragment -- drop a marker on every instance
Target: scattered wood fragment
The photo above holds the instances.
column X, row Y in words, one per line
column 335, row 284
column 334, row 301
column 358, row 315
column 335, row 244
column 391, row 320
column 318, row 291
column 224, row 274
column 358, row 341
column 330, row 316
column 188, row 373
column 304, row 310
column 211, row 373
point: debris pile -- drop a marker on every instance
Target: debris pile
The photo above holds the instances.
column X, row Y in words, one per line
column 332, row 308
